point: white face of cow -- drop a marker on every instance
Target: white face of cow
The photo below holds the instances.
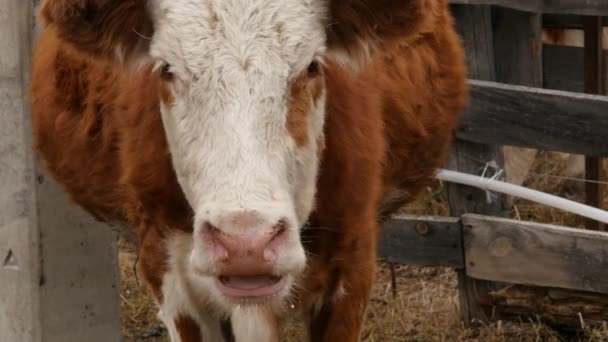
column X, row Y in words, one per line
column 243, row 115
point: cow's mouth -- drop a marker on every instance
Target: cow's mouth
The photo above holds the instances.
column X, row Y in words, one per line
column 259, row 286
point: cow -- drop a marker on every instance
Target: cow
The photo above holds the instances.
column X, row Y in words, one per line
column 255, row 146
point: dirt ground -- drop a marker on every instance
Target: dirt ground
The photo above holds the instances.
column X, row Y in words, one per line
column 426, row 305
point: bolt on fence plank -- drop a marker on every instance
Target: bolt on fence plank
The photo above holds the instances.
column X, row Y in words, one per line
column 422, row 241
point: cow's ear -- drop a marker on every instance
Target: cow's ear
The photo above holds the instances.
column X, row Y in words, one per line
column 106, row 28
column 358, row 28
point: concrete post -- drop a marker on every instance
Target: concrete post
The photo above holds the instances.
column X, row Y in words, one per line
column 58, row 268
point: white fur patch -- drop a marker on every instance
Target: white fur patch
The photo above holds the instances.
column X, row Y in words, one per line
column 184, row 297
column 251, row 324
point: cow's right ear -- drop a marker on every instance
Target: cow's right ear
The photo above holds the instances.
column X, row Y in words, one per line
column 105, row 28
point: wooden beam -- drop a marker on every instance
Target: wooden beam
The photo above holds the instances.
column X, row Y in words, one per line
column 502, row 114
column 535, row 254
column 518, row 47
column 582, row 7
column 566, row 310
column 564, row 21
column 594, row 84
column 476, row 28
column 422, row 241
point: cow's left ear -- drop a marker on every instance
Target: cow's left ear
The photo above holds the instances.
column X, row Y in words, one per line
column 357, row 28
column 105, row 28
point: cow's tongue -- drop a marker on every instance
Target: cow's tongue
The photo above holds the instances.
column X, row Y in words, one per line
column 249, row 283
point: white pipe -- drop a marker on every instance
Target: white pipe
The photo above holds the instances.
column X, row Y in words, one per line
column 488, row 184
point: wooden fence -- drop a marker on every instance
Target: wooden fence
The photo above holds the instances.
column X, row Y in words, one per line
column 528, row 95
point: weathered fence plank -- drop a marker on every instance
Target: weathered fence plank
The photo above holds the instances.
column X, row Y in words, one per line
column 518, row 50
column 58, row 268
column 518, row 47
column 564, row 21
column 583, row 7
column 500, row 249
column 594, row 84
column 535, row 254
column 564, row 68
column 475, row 26
column 564, row 309
column 536, row 118
column 422, row 241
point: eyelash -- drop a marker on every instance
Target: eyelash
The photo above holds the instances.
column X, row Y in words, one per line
column 313, row 68
column 165, row 72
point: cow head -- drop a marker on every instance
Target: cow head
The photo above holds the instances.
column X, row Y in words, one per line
column 243, row 106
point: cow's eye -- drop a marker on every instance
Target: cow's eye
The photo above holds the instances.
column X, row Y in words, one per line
column 165, row 72
column 313, row 68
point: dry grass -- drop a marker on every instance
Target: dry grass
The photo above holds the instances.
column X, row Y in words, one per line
column 426, row 307
column 139, row 321
column 550, row 166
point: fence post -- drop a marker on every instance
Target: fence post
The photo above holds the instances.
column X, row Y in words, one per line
column 594, row 84
column 505, row 46
column 58, row 268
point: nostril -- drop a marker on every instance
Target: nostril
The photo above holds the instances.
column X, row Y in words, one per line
column 279, row 232
column 211, row 229
column 213, row 236
column 279, row 229
column 233, row 243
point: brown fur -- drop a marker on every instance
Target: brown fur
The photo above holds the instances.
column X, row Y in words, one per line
column 555, row 36
column 165, row 93
column 361, row 26
column 305, row 91
column 100, row 26
column 389, row 127
column 188, row 329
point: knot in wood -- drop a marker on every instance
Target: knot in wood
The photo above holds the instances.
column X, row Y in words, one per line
column 422, row 229
column 501, row 247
